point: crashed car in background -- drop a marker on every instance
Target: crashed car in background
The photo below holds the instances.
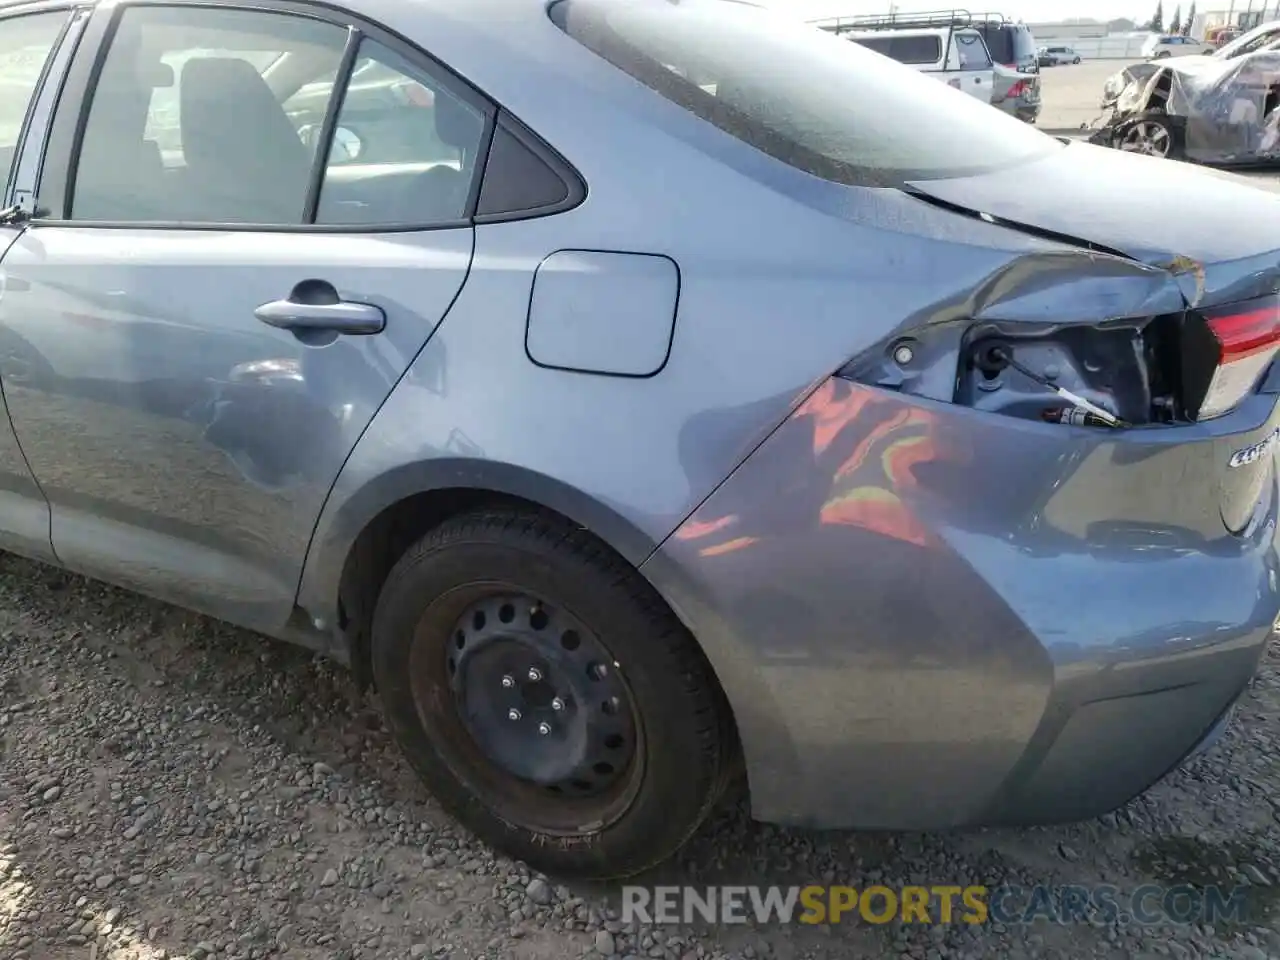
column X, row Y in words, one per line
column 1213, row 110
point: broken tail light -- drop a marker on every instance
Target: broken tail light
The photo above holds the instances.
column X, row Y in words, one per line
column 1166, row 369
column 1231, row 352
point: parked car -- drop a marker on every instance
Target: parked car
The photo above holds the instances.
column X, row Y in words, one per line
column 1016, row 93
column 1163, row 46
column 790, row 452
column 957, row 57
column 1216, row 110
column 1260, row 37
column 1054, row 56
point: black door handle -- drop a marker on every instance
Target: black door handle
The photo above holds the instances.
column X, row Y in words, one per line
column 314, row 306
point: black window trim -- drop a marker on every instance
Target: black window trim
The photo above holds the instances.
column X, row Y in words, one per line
column 65, row 133
column 575, row 186
column 35, row 8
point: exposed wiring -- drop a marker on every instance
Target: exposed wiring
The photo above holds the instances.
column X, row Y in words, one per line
column 1109, row 418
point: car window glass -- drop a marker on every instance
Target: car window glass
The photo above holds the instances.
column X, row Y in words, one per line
column 803, row 96
column 973, row 54
column 926, row 49
column 404, row 148
column 187, row 121
column 881, row 45
column 1000, row 43
column 25, row 45
column 1253, row 44
column 1023, row 44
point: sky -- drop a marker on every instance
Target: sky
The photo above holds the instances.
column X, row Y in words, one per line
column 1029, row 10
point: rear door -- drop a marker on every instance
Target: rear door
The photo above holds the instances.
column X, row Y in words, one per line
column 219, row 300
column 34, row 47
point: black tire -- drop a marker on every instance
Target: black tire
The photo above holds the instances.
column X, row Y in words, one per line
column 1076, row 60
column 684, row 742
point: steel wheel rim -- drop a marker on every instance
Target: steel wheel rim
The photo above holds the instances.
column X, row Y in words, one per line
column 545, row 782
column 1147, row 137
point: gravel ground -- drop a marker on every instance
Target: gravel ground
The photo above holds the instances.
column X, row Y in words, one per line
column 174, row 787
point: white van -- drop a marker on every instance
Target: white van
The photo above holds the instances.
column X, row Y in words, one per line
column 958, row 57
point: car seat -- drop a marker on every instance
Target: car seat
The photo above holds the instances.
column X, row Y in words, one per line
column 245, row 162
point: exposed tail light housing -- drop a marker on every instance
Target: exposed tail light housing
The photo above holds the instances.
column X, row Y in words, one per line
column 1018, row 89
column 1173, row 368
column 1241, row 342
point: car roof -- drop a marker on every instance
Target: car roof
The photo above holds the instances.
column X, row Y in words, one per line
column 483, row 15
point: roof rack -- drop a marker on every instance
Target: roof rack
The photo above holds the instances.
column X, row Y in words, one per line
column 908, row 21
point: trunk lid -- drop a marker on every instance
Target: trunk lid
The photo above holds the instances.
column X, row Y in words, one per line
column 1220, row 239
column 1218, row 234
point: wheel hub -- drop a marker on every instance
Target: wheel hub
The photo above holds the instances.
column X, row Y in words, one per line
column 540, row 695
column 1147, row 138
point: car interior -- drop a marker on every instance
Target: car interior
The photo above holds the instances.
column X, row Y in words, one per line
column 232, row 153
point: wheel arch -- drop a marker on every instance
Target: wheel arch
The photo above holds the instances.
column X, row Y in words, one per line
column 359, row 539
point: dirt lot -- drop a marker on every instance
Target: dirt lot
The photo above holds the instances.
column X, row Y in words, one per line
column 173, row 787
column 1071, row 93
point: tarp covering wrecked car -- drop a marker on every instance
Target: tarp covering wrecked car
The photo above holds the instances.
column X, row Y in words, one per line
column 1211, row 110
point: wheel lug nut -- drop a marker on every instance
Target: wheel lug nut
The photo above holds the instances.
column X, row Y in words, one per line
column 557, row 704
column 535, row 674
column 508, row 682
column 513, row 714
column 544, row 728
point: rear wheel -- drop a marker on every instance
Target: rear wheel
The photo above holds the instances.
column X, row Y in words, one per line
column 547, row 696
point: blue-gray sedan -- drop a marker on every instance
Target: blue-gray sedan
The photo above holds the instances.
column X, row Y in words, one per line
column 642, row 394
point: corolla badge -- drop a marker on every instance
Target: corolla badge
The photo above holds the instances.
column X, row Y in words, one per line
column 1254, row 452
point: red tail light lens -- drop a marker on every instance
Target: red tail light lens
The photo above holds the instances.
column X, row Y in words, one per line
column 1018, row 89
column 1248, row 338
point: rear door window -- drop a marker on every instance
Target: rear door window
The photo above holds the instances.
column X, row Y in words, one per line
column 917, row 50
column 881, row 45
column 804, row 96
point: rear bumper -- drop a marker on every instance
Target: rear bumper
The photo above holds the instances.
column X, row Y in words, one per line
column 1027, row 111
column 927, row 618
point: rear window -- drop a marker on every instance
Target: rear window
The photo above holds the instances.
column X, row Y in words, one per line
column 1009, row 43
column 1024, row 43
column 914, row 50
column 804, row 96
column 999, row 42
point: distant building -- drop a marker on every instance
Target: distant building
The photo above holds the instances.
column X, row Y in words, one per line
column 1242, row 15
column 1067, row 31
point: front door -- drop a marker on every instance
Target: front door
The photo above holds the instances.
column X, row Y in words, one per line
column 217, row 316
